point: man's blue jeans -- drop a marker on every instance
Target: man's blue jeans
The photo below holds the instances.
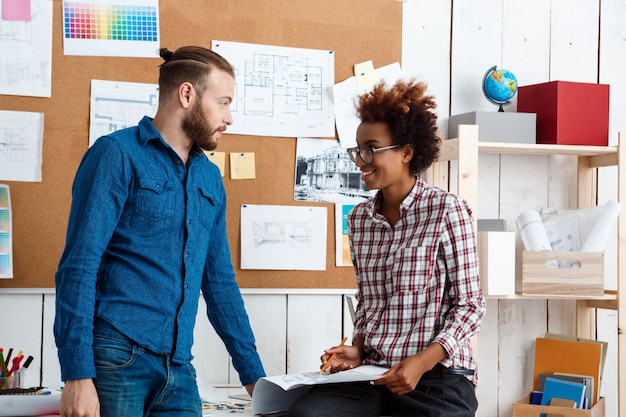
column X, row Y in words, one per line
column 134, row 382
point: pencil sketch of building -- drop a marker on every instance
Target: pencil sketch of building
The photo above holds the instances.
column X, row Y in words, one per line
column 298, row 235
column 329, row 176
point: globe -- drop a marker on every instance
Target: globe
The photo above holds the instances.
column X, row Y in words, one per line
column 499, row 86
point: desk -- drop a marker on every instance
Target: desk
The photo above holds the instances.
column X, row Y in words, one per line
column 221, row 400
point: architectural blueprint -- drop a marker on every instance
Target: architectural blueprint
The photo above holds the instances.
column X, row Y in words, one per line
column 116, row 105
column 21, row 138
column 26, row 53
column 283, row 237
column 281, row 91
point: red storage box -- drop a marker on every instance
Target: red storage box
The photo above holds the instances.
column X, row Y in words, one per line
column 568, row 113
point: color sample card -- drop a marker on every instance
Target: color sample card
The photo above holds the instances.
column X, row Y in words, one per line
column 111, row 28
column 6, row 246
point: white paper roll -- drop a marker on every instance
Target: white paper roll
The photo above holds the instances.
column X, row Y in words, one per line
column 532, row 231
column 599, row 234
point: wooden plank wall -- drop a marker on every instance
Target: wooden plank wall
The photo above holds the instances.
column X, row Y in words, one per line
column 540, row 41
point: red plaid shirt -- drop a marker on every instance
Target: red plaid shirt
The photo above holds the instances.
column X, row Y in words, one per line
column 418, row 281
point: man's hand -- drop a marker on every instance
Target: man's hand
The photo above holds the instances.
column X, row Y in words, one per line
column 250, row 388
column 80, row 399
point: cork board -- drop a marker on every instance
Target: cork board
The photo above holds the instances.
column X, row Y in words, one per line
column 357, row 30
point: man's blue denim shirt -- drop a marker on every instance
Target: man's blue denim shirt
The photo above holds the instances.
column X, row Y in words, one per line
column 146, row 233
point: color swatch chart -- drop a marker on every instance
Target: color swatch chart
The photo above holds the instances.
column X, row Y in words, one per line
column 124, row 22
column 6, row 251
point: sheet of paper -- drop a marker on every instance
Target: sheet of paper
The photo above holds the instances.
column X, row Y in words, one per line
column 242, row 166
column 116, row 105
column 324, row 172
column 277, row 393
column 27, row 45
column 16, row 10
column 21, row 139
column 283, row 237
column 91, row 28
column 365, row 74
column 218, row 158
column 280, row 91
column 345, row 94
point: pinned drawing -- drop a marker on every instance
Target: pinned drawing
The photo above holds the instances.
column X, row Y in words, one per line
column 21, row 138
column 283, row 237
column 26, row 52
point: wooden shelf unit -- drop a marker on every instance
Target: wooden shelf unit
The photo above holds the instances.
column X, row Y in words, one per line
column 466, row 148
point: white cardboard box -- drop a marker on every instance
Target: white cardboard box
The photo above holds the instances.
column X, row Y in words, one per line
column 496, row 253
column 497, row 126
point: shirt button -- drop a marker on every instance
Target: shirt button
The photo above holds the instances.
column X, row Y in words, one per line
column 187, row 255
column 188, row 221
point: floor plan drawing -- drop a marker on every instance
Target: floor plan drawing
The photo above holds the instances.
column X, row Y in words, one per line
column 117, row 105
column 281, row 91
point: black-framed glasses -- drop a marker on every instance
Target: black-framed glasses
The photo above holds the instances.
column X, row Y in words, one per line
column 367, row 154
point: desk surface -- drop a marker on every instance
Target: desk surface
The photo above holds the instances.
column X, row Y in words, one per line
column 223, row 400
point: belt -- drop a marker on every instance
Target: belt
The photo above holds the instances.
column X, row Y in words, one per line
column 457, row 371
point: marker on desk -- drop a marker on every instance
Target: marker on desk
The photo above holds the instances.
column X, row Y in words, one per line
column 3, row 365
column 327, row 363
column 8, row 358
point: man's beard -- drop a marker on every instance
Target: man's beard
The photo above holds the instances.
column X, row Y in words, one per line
column 198, row 129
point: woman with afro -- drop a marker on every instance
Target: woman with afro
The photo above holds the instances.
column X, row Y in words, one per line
column 413, row 249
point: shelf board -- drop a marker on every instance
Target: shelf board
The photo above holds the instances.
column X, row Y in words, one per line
column 608, row 296
column 544, row 149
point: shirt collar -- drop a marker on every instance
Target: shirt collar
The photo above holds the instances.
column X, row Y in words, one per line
column 374, row 203
column 148, row 132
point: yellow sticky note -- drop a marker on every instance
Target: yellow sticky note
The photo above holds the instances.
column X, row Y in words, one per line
column 218, row 158
column 242, row 166
column 365, row 73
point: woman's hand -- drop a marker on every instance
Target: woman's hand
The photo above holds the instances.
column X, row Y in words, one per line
column 341, row 358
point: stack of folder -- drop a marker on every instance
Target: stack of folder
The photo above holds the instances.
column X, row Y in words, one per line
column 582, row 360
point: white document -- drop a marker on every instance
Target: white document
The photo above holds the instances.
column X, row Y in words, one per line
column 116, row 105
column 283, row 237
column 26, row 51
column 280, row 91
column 274, row 394
column 21, row 140
column 345, row 95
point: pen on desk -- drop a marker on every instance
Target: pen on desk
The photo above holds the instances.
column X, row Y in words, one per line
column 327, row 363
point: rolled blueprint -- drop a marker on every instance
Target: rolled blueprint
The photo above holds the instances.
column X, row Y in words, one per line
column 532, row 231
column 602, row 228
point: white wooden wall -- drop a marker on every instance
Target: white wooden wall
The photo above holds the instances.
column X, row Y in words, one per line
column 450, row 45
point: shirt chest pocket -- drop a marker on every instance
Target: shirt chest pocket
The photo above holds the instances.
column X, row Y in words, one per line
column 155, row 199
column 208, row 207
column 412, row 269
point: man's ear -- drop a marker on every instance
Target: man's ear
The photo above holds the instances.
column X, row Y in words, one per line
column 186, row 94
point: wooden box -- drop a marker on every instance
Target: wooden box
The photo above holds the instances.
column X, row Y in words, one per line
column 523, row 408
column 577, row 274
